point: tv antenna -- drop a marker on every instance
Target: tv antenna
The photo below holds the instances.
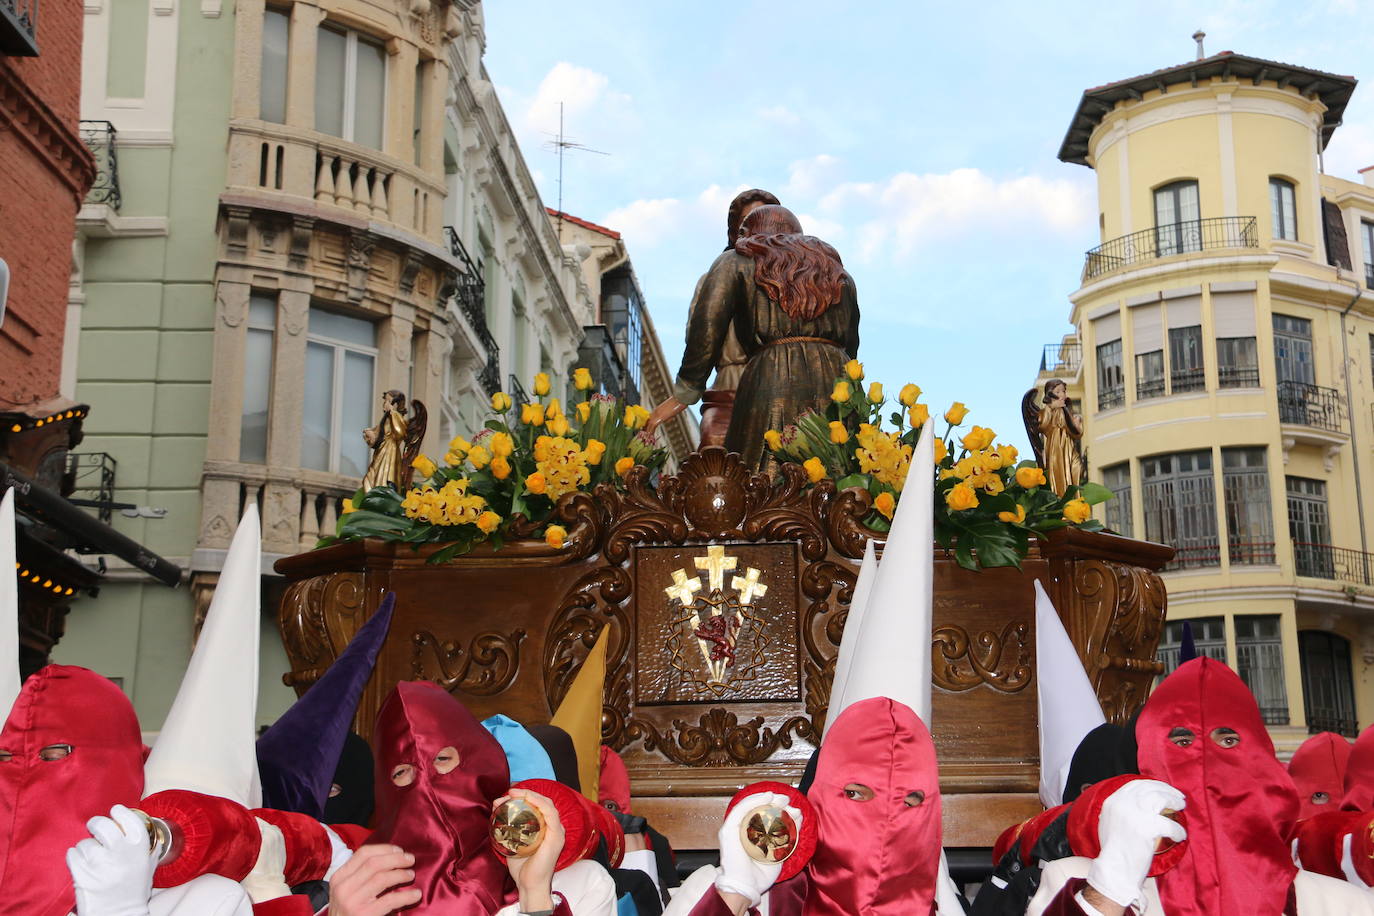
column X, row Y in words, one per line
column 562, row 144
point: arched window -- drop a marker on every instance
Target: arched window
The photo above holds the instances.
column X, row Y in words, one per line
column 1283, row 209
column 1327, row 685
column 1177, row 218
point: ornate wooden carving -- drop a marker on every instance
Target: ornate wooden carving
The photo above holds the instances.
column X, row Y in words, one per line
column 719, row 740
column 317, row 618
column 1125, row 605
column 486, row 667
column 1003, row 661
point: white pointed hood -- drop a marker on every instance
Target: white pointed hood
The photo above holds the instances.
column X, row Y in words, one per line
column 207, row 742
column 9, row 608
column 1065, row 699
column 891, row 648
column 853, row 624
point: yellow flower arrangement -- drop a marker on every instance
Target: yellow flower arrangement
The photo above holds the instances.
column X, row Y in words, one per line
column 555, row 535
column 541, row 384
column 885, row 503
column 563, row 464
column 909, row 394
column 1014, row 518
column 582, row 379
column 500, row 402
column 854, row 369
column 961, row 497
column 838, row 434
column 1077, row 511
column 424, row 465
column 841, row 392
column 623, row 466
column 956, row 413
column 635, row 416
column 815, row 470
column 595, row 449
column 773, row 439
column 1030, row 477
column 479, row 457
column 875, row 392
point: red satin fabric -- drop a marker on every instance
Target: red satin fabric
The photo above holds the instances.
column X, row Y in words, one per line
column 877, row 857
column 308, row 850
column 218, row 836
column 44, row 804
column 1242, row 805
column 1318, row 765
column 1359, row 774
column 441, row 819
column 615, row 780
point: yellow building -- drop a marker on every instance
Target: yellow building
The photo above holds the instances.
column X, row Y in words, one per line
column 1223, row 362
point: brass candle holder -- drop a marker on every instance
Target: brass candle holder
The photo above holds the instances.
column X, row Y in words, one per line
column 769, row 834
column 517, row 828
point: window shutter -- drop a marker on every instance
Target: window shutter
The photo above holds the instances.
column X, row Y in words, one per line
column 1147, row 328
column 1333, row 229
column 1185, row 311
column 1233, row 314
column 1107, row 328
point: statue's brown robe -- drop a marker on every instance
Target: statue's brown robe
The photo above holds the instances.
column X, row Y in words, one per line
column 781, row 379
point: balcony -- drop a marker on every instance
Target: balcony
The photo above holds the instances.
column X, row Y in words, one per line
column 1342, row 564
column 99, row 137
column 18, row 28
column 1175, row 238
column 469, row 296
column 1062, row 359
column 1312, row 406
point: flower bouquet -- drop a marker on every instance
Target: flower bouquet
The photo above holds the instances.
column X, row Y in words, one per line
column 987, row 502
column 507, row 479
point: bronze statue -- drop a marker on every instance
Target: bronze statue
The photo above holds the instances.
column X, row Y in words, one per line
column 395, row 442
column 795, row 312
column 1056, row 435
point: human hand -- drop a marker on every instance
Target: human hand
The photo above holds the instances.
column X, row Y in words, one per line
column 533, row 875
column 1129, row 828
column 368, row 883
column 112, row 870
column 739, row 873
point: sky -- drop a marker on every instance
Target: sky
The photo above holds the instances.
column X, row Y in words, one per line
column 919, row 139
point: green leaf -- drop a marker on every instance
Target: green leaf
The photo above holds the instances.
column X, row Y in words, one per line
column 1094, row 493
column 963, row 555
column 853, row 480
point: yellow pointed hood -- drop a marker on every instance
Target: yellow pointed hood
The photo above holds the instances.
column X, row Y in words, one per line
column 580, row 715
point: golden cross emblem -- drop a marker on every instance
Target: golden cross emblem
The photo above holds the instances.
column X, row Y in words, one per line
column 683, row 589
column 715, row 563
column 748, row 585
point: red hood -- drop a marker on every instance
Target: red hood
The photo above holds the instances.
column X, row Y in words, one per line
column 1318, row 768
column 615, row 780
column 1359, row 774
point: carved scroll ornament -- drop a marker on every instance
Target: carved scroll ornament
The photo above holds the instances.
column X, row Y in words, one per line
column 1002, row 661
column 485, row 668
column 719, row 740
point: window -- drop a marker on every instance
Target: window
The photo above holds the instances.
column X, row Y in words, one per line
column 1367, row 235
column 350, row 86
column 1179, row 499
column 1282, row 210
column 1237, row 362
column 418, row 113
column 1177, row 218
column 340, row 355
column 1259, row 662
column 1149, row 375
column 257, row 378
column 1293, row 350
column 1111, row 383
column 1117, row 478
column 1309, row 527
column 1249, row 519
column 1327, row 686
column 276, row 32
column 1209, row 638
column 1185, row 359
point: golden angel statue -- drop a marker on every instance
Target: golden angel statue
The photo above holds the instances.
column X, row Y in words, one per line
column 1056, row 435
column 395, row 442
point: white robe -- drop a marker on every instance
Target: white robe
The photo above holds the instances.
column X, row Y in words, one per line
column 587, row 887
column 1317, row 895
column 208, row 895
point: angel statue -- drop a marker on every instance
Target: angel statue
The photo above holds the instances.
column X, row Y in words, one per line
column 395, row 442
column 1056, row 434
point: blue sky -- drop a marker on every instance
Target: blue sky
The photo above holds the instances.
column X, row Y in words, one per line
column 919, row 139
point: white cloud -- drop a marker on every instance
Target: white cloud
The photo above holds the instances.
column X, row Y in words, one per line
column 645, row 223
column 780, row 115
column 806, row 177
column 821, row 227
column 578, row 89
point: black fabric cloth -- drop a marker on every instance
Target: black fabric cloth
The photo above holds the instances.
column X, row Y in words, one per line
column 1012, row 884
column 317, row 891
column 562, row 753
column 809, row 774
column 664, row 859
column 353, row 776
column 1098, row 756
column 634, row 882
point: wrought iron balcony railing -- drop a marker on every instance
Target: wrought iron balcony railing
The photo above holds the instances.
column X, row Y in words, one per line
column 1107, row 398
column 19, row 28
column 1238, row 376
column 1311, row 405
column 1062, row 357
column 1196, row 555
column 470, row 297
column 99, row 137
column 1172, row 238
column 517, row 392
column 1323, row 561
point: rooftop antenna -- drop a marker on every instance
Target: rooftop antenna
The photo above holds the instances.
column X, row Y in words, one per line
column 1198, row 36
column 562, row 143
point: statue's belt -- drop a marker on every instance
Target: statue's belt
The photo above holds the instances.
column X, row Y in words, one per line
column 789, row 340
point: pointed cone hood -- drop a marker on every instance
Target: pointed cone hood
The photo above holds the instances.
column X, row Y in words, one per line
column 206, row 742
column 298, row 755
column 1359, row 774
column 853, row 624
column 580, row 715
column 1066, row 700
column 9, row 609
column 891, row 655
column 1187, row 649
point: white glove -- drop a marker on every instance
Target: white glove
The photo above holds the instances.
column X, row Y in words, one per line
column 112, row 871
column 1128, row 829
column 267, row 880
column 740, row 874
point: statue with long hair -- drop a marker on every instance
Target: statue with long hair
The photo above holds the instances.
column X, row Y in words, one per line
column 794, row 310
column 395, row 442
column 1056, row 434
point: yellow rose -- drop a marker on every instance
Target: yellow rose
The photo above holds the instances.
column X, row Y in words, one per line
column 582, row 379
column 1016, row 517
column 774, row 439
column 961, row 497
column 635, row 416
column 454, row 459
column 841, row 392
column 555, row 535
column 814, row 469
column 1030, row 477
column 978, row 438
column 875, row 392
column 535, row 483
column 541, row 384
column 479, row 457
column 838, row 434
column 349, row 507
column 885, row 504
column 501, row 445
column 559, row 425
column 956, row 413
column 532, row 415
column 854, row 369
column 584, row 411
column 425, row 466
column 500, row 402
column 1077, row 511
column 487, row 522
column 918, row 415
column 500, row 467
column 909, row 394
column 623, row 466
column 595, row 449
column 941, row 452
column 459, row 444
column 1008, row 454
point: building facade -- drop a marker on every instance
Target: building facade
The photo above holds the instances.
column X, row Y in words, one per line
column 1223, row 361
column 316, row 202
